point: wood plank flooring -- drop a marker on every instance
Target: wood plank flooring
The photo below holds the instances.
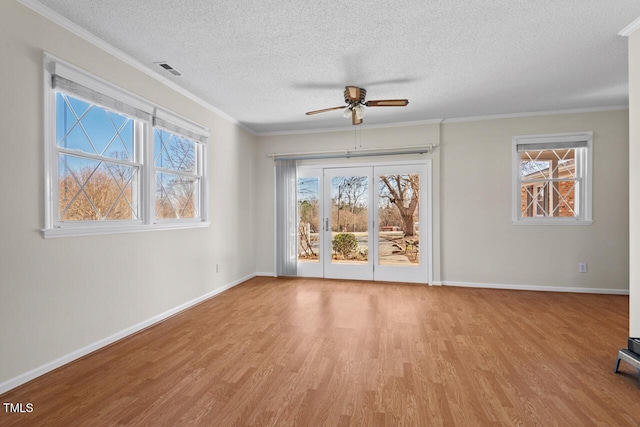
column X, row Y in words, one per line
column 312, row 352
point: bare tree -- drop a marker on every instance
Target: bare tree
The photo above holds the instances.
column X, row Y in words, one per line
column 91, row 194
column 351, row 196
column 176, row 192
column 388, row 214
column 176, row 197
column 404, row 192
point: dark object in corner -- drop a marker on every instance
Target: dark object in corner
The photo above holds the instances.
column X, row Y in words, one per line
column 634, row 345
column 630, row 355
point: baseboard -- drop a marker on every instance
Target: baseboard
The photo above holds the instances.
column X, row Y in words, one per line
column 539, row 288
column 436, row 283
column 267, row 274
column 50, row 366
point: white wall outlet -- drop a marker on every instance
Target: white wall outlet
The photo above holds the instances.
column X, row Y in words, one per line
column 582, row 267
column 217, row 268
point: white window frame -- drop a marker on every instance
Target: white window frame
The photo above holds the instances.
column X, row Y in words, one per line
column 584, row 173
column 177, row 125
column 144, row 156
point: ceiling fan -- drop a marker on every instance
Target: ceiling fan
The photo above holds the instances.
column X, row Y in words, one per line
column 354, row 98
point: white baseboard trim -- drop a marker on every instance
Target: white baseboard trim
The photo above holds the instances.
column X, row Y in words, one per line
column 436, row 283
column 265, row 273
column 50, row 366
column 538, row 288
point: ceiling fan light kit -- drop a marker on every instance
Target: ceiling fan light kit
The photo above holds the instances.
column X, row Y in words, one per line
column 354, row 97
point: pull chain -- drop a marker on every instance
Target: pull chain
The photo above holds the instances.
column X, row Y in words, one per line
column 355, row 137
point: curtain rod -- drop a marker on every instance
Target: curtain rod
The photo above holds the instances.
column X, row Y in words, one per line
column 362, row 152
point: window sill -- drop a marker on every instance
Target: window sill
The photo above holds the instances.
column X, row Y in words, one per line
column 50, row 233
column 552, row 221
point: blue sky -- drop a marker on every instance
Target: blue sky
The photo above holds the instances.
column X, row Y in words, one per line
column 99, row 124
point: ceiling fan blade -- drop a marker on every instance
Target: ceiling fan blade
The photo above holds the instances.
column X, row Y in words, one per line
column 324, row 110
column 387, row 103
column 354, row 117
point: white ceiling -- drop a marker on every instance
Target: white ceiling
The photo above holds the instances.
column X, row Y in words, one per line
column 266, row 62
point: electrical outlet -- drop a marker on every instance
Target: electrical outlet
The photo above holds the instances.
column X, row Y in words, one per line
column 217, row 268
column 582, row 267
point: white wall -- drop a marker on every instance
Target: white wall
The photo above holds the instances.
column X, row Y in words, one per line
column 478, row 244
column 60, row 295
column 634, row 183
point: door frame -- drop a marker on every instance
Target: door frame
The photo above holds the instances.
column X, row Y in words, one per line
column 427, row 163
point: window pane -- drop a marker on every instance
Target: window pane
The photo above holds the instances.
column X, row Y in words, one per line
column 349, row 219
column 548, row 183
column 398, row 214
column 174, row 152
column 556, row 199
column 547, row 164
column 93, row 190
column 308, row 219
column 534, row 168
column 563, row 195
column 176, row 196
column 92, row 129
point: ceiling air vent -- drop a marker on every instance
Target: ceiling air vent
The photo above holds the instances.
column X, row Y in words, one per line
column 169, row 68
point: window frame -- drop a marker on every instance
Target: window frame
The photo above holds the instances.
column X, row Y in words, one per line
column 179, row 126
column 143, row 147
column 584, row 172
column 137, row 161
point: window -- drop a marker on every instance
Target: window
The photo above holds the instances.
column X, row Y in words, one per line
column 179, row 173
column 115, row 162
column 98, row 170
column 552, row 179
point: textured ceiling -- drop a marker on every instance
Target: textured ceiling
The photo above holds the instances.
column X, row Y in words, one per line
column 267, row 62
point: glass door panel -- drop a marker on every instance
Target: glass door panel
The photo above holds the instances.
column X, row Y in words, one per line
column 308, row 219
column 401, row 209
column 350, row 219
column 399, row 219
column 347, row 223
column 310, row 222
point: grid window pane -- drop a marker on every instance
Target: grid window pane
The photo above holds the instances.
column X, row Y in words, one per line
column 176, row 196
column 174, row 152
column 92, row 129
column 549, row 183
column 95, row 190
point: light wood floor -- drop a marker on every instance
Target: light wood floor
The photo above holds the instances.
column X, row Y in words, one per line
column 313, row 352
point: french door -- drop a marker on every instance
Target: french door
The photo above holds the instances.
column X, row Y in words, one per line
column 364, row 223
column 348, row 220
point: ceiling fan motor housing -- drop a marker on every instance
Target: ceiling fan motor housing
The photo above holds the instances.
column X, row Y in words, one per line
column 354, row 95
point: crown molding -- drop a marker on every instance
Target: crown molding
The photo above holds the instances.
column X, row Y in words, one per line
column 453, row 120
column 630, row 29
column 350, row 128
column 100, row 43
column 536, row 113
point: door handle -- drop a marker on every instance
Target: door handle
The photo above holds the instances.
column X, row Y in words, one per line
column 326, row 224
